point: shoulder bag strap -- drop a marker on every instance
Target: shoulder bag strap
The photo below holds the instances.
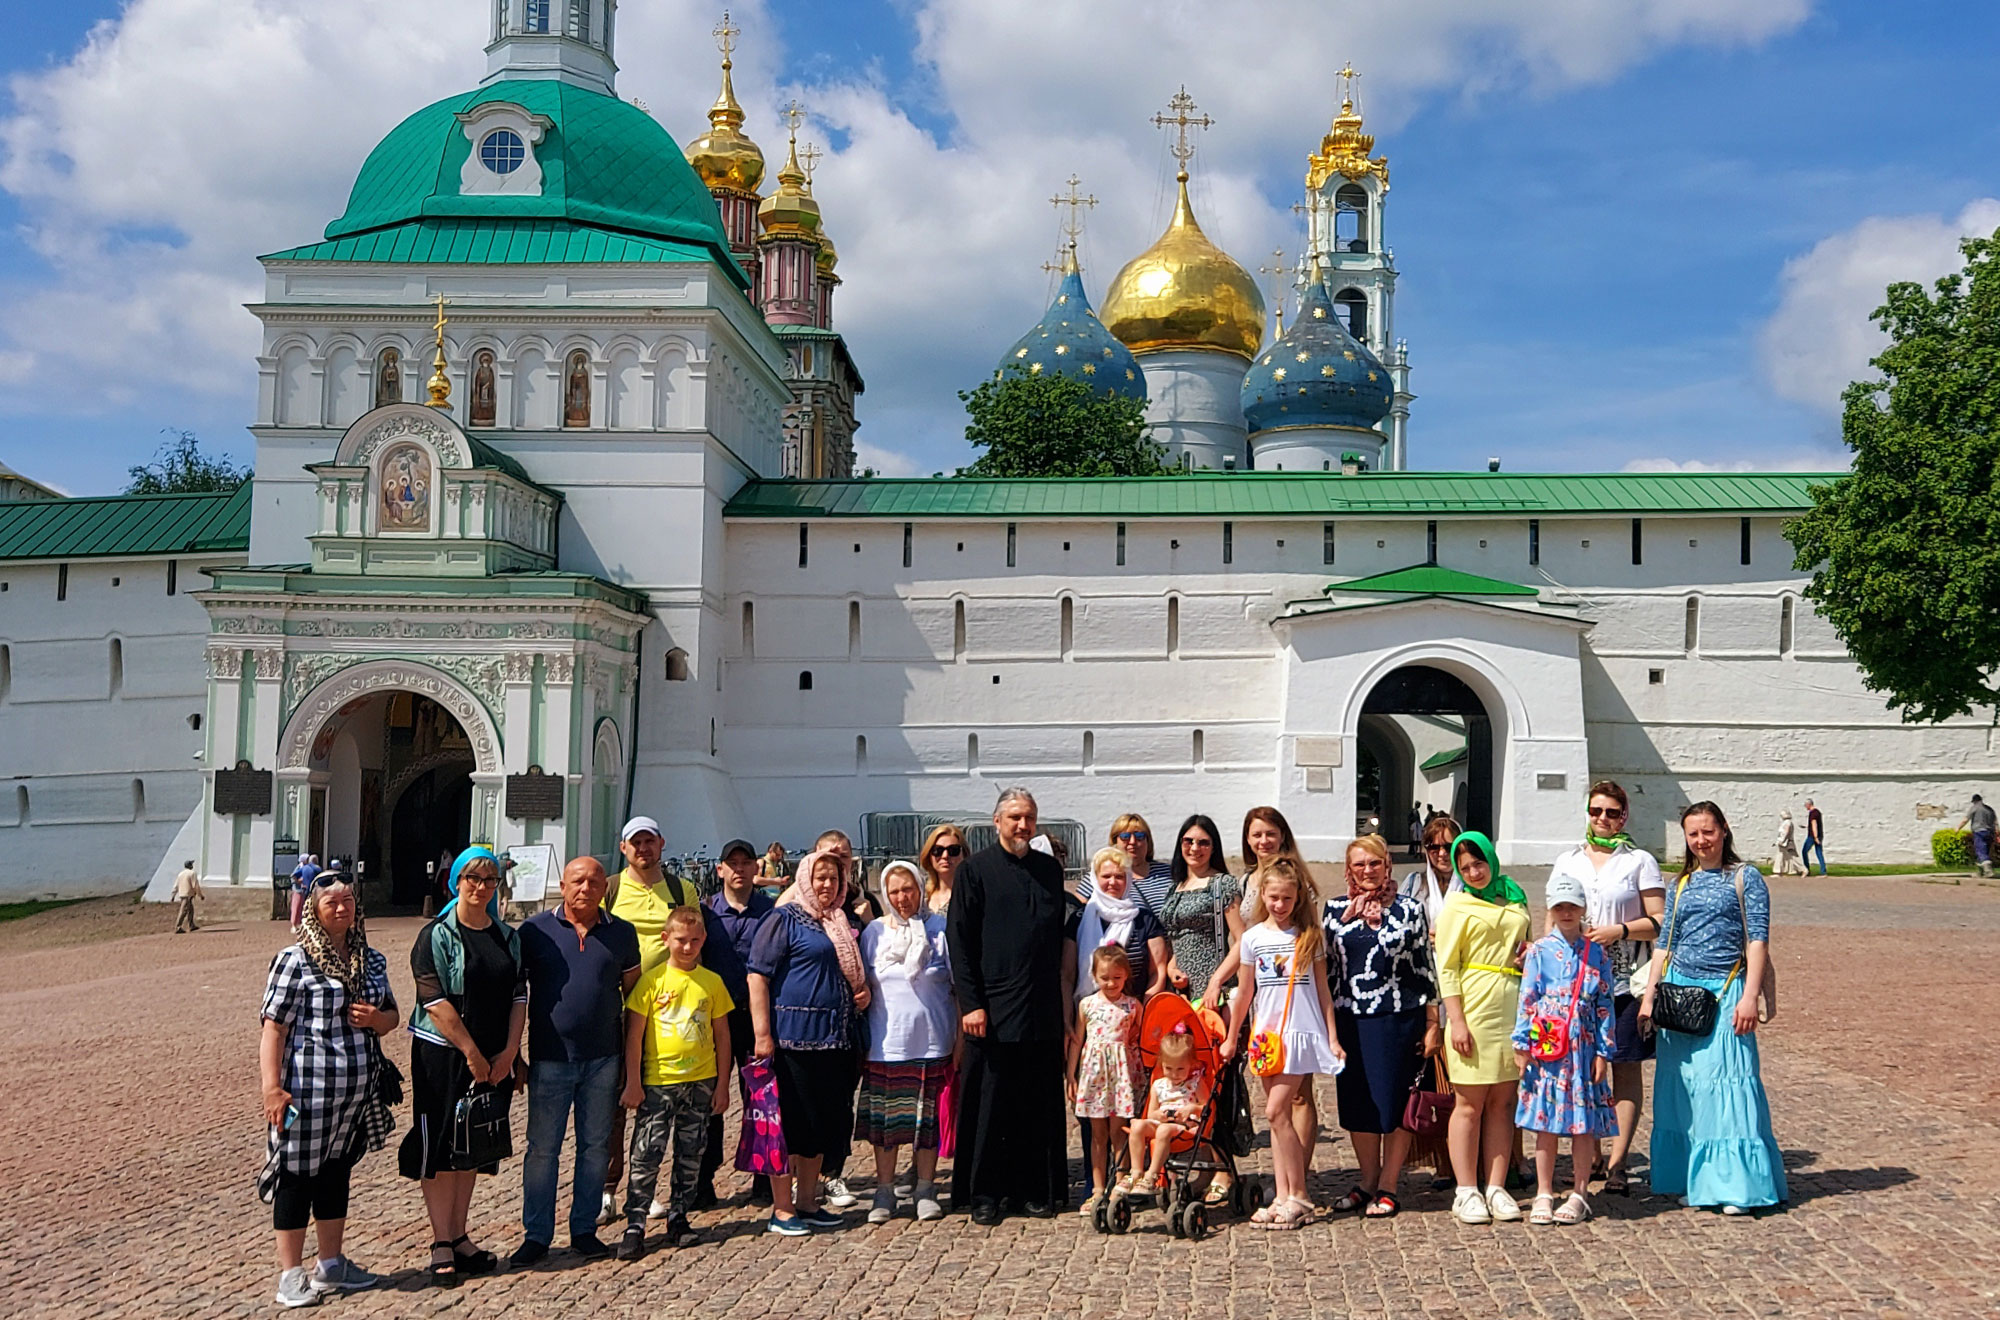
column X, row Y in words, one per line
column 1291, row 984
column 1666, row 937
column 1576, row 988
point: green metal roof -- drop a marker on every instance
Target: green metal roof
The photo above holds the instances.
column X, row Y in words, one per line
column 212, row 522
column 486, row 456
column 1433, row 580
column 605, row 163
column 1283, row 494
column 1439, row 760
column 495, row 242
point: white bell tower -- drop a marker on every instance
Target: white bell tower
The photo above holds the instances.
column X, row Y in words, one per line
column 565, row 40
column 1346, row 189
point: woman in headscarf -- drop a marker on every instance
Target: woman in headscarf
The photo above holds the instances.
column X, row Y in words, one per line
column 1481, row 936
column 808, row 989
column 1114, row 914
column 472, row 1004
column 326, row 1004
column 1788, row 862
column 1385, row 1016
column 912, row 1036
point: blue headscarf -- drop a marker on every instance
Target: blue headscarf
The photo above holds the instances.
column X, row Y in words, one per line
column 476, row 853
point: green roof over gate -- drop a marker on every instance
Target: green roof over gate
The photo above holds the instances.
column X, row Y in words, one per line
column 1433, row 580
column 1284, row 494
column 495, row 243
column 212, row 522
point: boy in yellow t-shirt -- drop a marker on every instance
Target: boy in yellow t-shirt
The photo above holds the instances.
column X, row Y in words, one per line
column 676, row 1045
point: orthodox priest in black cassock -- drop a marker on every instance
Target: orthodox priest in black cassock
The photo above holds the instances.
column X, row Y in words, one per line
column 1005, row 932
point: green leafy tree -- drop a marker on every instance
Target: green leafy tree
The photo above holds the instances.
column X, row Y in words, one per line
column 179, row 466
column 1905, row 551
column 1050, row 426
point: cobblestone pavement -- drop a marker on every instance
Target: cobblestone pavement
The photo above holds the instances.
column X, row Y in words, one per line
column 134, row 1139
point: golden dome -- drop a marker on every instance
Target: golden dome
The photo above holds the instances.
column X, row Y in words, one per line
column 1185, row 292
column 827, row 256
column 791, row 210
column 1344, row 150
column 724, row 156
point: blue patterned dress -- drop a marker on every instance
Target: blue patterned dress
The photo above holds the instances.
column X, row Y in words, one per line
column 1560, row 1096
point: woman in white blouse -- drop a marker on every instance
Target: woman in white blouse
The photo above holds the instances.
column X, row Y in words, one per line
column 1627, row 898
column 912, row 1040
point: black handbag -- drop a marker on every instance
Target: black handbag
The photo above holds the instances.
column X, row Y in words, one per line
column 479, row 1132
column 388, row 1079
column 1688, row 1009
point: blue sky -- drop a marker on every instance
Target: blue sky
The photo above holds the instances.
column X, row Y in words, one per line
column 1644, row 240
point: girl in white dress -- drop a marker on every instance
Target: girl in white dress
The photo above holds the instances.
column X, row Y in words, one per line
column 1280, row 966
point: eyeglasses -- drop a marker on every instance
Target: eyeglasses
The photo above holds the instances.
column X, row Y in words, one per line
column 1437, row 847
column 948, row 850
column 1609, row 813
column 328, row 879
column 1196, row 841
column 477, row 878
column 1133, row 836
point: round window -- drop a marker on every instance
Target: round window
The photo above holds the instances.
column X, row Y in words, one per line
column 502, row 151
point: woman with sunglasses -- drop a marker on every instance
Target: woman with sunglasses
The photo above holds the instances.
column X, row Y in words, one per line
column 1627, row 899
column 1151, row 877
column 1204, row 920
column 1435, row 881
column 941, row 856
column 472, row 1004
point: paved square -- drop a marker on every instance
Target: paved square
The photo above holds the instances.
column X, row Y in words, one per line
column 134, row 1139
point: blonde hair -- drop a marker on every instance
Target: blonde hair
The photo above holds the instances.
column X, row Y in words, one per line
column 1372, row 844
column 1177, row 1047
column 924, row 854
column 1305, row 912
column 1107, row 854
column 685, row 916
column 1131, row 820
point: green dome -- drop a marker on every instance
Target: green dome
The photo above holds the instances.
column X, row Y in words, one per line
column 605, row 163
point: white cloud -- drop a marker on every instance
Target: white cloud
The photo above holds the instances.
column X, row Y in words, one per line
column 186, row 136
column 1820, row 338
column 1788, row 461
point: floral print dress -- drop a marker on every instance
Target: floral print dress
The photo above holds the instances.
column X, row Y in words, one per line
column 1561, row 1096
column 1107, row 1069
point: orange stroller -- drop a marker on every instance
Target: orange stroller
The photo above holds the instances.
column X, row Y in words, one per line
column 1195, row 1157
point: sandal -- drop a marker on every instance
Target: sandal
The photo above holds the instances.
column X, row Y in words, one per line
column 1354, row 1199
column 1543, row 1211
column 1218, row 1193
column 1574, row 1211
column 1288, row 1215
column 1616, row 1181
column 472, row 1262
column 1262, row 1216
column 1384, row 1206
column 443, row 1273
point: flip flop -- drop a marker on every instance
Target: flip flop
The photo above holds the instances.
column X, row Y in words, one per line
column 1354, row 1198
column 1617, row 1182
column 1384, row 1206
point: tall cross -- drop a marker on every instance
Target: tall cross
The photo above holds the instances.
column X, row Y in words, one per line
column 439, row 327
column 725, row 37
column 811, row 157
column 1182, row 119
column 795, row 114
column 1075, row 203
column 1347, row 75
column 1278, row 269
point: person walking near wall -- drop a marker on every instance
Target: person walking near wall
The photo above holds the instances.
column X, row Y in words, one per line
column 1815, row 838
column 302, row 878
column 1787, row 847
column 187, row 888
column 1980, row 820
column 581, row 962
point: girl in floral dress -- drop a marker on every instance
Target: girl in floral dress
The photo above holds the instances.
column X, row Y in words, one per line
column 1104, row 1080
column 1566, row 991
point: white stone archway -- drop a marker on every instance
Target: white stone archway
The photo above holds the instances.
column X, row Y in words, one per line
column 372, row 676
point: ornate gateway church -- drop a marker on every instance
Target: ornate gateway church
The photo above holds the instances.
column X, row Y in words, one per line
column 554, row 519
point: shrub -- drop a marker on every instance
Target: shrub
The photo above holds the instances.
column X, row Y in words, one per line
column 1952, row 849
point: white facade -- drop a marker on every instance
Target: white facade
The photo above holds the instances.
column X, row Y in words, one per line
column 1194, row 401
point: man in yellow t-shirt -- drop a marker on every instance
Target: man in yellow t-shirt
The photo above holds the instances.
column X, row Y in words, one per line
column 676, row 1046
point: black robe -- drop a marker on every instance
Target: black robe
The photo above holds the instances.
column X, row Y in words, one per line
column 1005, row 932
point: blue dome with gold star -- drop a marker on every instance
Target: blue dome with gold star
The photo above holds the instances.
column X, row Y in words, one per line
column 1070, row 341
column 1316, row 374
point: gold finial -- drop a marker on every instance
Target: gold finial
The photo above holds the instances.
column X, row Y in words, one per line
column 1347, row 75
column 1345, row 148
column 439, row 385
column 810, row 157
column 725, row 35
column 794, row 115
column 1075, row 204
column 1278, row 269
column 1067, row 265
column 1182, row 119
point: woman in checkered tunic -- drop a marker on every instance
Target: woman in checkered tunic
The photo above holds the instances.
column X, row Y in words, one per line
column 325, row 1004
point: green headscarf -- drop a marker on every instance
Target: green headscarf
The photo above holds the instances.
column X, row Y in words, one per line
column 1499, row 889
column 1610, row 843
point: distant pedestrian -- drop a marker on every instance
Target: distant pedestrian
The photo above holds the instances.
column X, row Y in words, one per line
column 187, row 888
column 1415, row 824
column 1788, row 862
column 302, row 878
column 1815, row 838
column 1980, row 820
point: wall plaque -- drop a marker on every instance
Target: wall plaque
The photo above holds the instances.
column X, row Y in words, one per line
column 535, row 796
column 244, row 791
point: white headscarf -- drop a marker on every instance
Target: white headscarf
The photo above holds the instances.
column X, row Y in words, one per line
column 1106, row 920
column 905, row 942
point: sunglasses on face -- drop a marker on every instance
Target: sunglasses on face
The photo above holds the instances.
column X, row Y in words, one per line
column 1133, row 836
column 1609, row 813
column 1437, row 847
column 1197, row 842
column 948, row 850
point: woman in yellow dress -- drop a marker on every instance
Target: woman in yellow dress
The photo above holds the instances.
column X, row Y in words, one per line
column 1481, row 934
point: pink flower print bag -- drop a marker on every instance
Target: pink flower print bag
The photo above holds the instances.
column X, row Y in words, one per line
column 760, row 1147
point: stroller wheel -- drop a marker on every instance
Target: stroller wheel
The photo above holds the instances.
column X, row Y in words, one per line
column 1194, row 1222
column 1120, row 1216
column 1175, row 1224
column 1099, row 1219
column 1239, row 1198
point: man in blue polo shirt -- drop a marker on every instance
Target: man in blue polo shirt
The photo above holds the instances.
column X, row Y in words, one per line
column 734, row 913
column 581, row 962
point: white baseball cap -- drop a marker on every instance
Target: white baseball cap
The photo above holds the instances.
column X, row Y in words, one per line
column 641, row 825
column 1567, row 889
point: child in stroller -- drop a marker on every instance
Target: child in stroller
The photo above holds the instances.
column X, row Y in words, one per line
column 1174, row 1143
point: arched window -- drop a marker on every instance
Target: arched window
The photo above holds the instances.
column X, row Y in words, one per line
column 749, row 628
column 1351, row 306
column 1089, row 749
column 971, row 767
column 117, row 666
column 6, row 670
column 677, row 666
column 1786, row 609
column 1200, row 751
column 1691, row 635
column 138, row 799
column 1068, row 632
column 805, row 680
column 958, row 630
column 388, row 378
column 1350, row 219
column 860, row 754
column 1173, row 626
column 576, row 389
column 853, row 629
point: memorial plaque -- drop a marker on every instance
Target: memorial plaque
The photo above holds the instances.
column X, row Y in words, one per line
column 535, row 796
column 244, row 791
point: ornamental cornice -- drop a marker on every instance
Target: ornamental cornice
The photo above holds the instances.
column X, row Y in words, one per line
column 333, row 314
column 371, row 675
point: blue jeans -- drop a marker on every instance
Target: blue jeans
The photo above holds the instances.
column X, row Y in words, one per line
column 590, row 1087
column 1982, row 846
column 1806, row 851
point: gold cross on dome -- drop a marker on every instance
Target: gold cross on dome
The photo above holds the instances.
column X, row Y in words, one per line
column 810, row 157
column 1278, row 270
column 1075, row 203
column 1347, row 75
column 725, row 37
column 1182, row 119
column 794, row 115
column 439, row 327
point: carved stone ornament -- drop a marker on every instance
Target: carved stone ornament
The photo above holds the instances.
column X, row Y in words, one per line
column 561, row 668
column 520, row 667
column 369, row 677
column 270, row 663
column 225, row 662
column 416, row 422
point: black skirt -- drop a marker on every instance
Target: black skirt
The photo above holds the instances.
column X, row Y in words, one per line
column 816, row 1102
column 439, row 1076
column 1383, row 1059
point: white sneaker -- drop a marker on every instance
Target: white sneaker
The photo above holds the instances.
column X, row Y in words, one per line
column 928, row 1208
column 607, row 1213
column 1469, row 1207
column 1502, row 1206
column 834, row 1192
column 884, row 1208
column 295, row 1289
column 1735, row 1210
column 657, row 1210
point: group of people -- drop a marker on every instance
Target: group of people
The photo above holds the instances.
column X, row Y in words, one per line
column 1793, row 850
column 978, row 1006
